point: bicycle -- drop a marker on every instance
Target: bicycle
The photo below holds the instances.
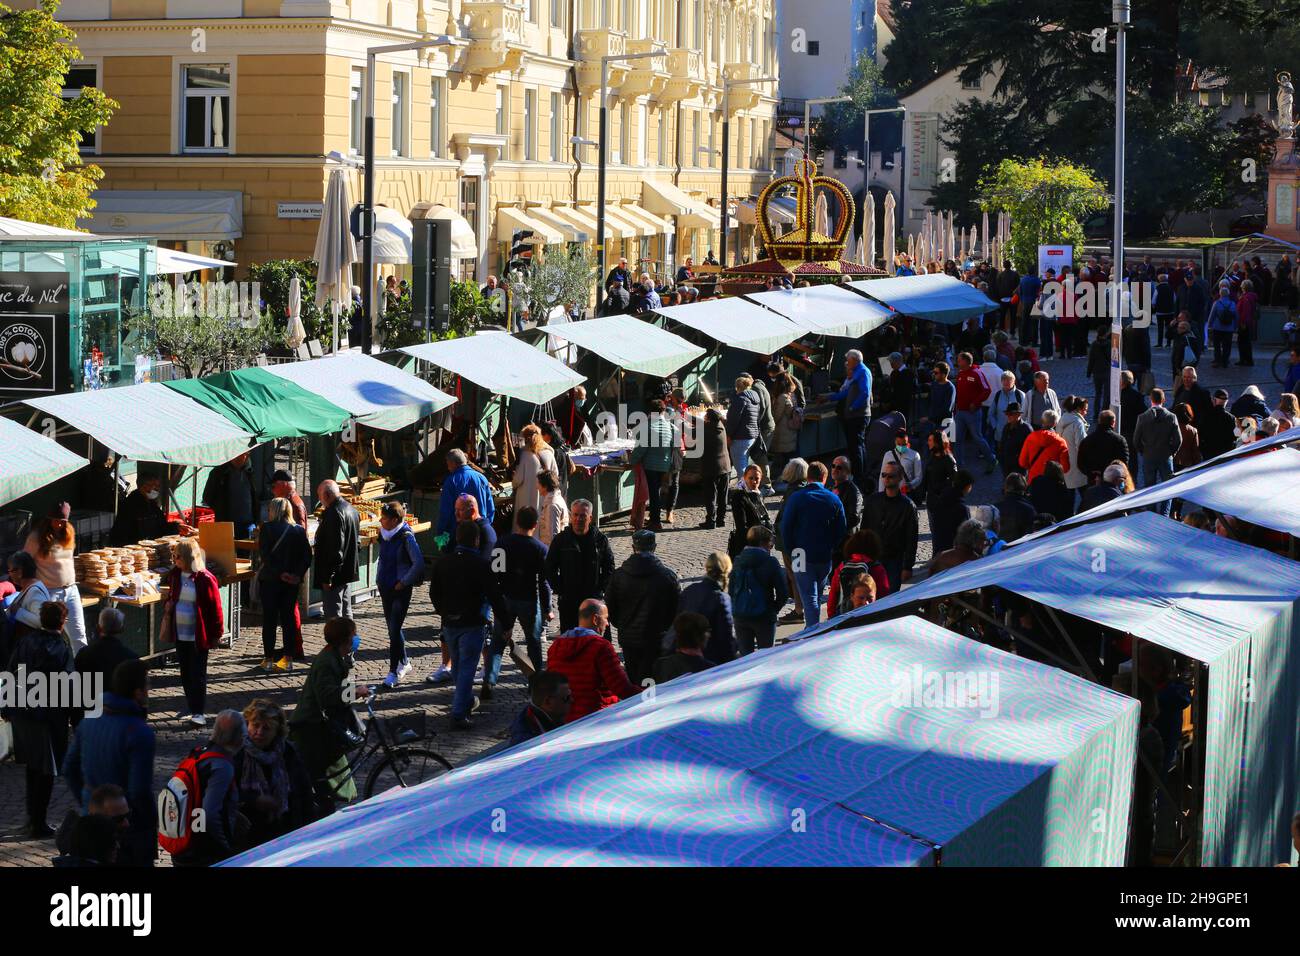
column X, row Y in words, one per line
column 402, row 765
column 1282, row 360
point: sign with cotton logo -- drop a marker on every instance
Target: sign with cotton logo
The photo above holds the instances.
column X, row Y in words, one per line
column 33, row 332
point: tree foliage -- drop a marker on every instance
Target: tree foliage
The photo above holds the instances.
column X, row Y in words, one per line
column 1048, row 203
column 273, row 280
column 42, row 177
column 218, row 336
column 559, row 278
column 841, row 125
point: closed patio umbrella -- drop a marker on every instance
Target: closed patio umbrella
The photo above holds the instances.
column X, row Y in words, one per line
column 295, row 333
column 890, row 265
column 336, row 251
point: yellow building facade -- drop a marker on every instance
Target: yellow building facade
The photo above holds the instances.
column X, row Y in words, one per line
column 231, row 109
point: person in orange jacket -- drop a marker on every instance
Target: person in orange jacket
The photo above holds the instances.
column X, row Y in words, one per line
column 1042, row 446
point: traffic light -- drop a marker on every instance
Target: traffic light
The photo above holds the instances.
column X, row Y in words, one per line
column 521, row 250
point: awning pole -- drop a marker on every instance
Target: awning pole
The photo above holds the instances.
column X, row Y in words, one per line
column 1070, row 643
column 1014, row 632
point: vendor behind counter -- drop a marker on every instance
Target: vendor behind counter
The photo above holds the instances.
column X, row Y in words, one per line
column 141, row 517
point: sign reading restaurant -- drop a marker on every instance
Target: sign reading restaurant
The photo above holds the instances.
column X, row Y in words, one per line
column 299, row 210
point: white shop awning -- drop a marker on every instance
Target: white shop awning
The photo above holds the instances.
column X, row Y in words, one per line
column 615, row 226
column 31, row 461
column 552, row 218
column 464, row 243
column 377, row 394
column 167, row 213
column 510, row 218
column 149, row 422
column 630, row 343
column 394, row 241
column 575, row 215
column 657, row 224
column 501, row 364
column 738, row 323
column 171, row 262
column 665, row 199
column 826, row 310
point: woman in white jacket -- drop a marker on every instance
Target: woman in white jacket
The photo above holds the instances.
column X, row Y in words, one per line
column 1073, row 427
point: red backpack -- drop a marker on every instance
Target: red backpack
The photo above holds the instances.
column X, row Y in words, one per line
column 180, row 802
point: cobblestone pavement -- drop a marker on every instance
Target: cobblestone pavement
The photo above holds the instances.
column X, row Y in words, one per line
column 234, row 680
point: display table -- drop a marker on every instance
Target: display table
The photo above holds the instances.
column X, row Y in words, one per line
column 608, row 481
column 821, row 433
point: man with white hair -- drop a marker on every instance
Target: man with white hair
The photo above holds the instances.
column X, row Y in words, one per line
column 1110, row 488
column 854, row 412
column 335, row 551
column 1006, row 394
column 463, row 479
column 216, row 770
column 106, row 650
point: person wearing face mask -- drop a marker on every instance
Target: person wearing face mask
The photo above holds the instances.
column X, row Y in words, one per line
column 141, row 517
column 908, row 459
column 401, row 567
column 323, row 725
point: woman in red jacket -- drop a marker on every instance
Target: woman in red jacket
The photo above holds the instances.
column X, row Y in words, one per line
column 192, row 617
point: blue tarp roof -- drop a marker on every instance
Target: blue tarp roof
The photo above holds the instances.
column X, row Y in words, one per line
column 815, row 753
column 938, row 298
column 1226, row 604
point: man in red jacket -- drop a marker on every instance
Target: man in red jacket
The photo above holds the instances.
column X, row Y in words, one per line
column 968, row 419
column 583, row 655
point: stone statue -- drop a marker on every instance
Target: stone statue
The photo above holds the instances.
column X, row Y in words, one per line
column 1285, row 100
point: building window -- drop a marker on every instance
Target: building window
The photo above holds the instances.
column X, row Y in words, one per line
column 532, row 11
column 530, row 124
column 1248, row 100
column 624, row 135
column 695, row 139
column 437, row 97
column 1226, row 98
column 557, row 126
column 697, row 28
column 629, row 17
column 74, row 81
column 357, row 113
column 662, row 145
column 557, row 13
column 503, row 111
column 753, row 144
column 971, row 84
column 1205, row 97
column 642, row 129
column 207, row 122
column 814, row 47
column 401, row 100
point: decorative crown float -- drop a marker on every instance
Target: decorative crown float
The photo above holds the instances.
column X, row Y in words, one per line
column 803, row 252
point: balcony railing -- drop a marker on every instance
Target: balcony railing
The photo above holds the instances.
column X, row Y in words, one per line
column 496, row 35
column 685, row 75
column 646, row 76
column 589, row 47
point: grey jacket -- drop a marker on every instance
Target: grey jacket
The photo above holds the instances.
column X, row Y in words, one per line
column 1156, row 434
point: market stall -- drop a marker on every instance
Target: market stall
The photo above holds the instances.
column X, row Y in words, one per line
column 155, row 424
column 1227, row 608
column 935, row 298
column 712, row 769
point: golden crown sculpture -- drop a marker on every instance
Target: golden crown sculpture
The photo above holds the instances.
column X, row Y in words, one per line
column 804, row 243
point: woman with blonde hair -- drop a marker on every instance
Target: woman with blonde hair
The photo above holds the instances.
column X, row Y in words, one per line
column 708, row 597
column 1288, row 410
column 51, row 544
column 193, row 619
column 535, row 457
column 274, row 785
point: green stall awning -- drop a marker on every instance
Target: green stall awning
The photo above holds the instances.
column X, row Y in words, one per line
column 264, row 404
column 149, row 422
column 30, row 461
column 377, row 394
column 629, row 343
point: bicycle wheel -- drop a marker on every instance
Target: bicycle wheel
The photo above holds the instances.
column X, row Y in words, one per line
column 407, row 767
column 1281, row 363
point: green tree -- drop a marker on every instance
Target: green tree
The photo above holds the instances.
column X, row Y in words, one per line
column 559, row 278
column 216, row 335
column 42, row 177
column 273, row 281
column 1048, row 203
column 840, row 126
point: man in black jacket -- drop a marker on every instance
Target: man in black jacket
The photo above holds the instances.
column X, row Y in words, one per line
column 1016, row 512
column 1014, row 434
column 847, row 490
column 579, row 563
column 1194, row 394
column 1102, row 446
column 465, row 593
column 642, row 601
column 1216, row 430
column 892, row 515
column 229, row 493
column 336, row 551
column 1132, row 403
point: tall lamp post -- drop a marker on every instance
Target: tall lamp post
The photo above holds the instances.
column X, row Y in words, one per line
column 727, row 84
column 1120, row 12
column 605, row 61
column 368, row 202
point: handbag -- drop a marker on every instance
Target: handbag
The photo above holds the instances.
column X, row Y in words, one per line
column 166, row 633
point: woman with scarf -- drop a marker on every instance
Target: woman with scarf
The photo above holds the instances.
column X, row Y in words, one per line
column 275, row 793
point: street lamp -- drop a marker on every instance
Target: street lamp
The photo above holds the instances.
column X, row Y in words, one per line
column 1120, row 13
column 368, row 202
column 605, row 61
column 727, row 84
column 807, row 117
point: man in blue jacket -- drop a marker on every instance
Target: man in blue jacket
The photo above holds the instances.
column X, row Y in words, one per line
column 855, row 411
column 462, row 479
column 118, row 747
column 812, row 526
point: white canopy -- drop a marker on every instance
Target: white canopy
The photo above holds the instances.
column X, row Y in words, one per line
column 393, row 240
column 464, row 243
column 826, row 310
column 570, row 231
column 376, row 393
column 149, row 422
column 738, row 323
column 31, row 461
column 630, row 343
column 165, row 261
column 510, row 218
column 665, row 199
column 168, row 213
column 501, row 364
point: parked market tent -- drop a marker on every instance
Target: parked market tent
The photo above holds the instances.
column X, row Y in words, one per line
column 149, row 422
column 375, row 393
column 502, row 364
column 629, row 343
column 31, row 461
column 811, row 754
column 1228, row 605
column 936, row 298
column 265, row 405
column 736, row 322
column 1262, row 489
column 826, row 310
